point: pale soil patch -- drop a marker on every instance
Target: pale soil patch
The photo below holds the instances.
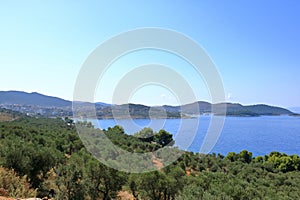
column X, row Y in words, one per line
column 124, row 195
column 5, row 198
column 158, row 163
column 6, row 117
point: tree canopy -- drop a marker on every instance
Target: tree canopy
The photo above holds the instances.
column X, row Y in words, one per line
column 46, row 157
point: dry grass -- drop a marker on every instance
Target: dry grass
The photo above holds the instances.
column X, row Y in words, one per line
column 13, row 185
column 124, row 195
column 5, row 117
column 6, row 198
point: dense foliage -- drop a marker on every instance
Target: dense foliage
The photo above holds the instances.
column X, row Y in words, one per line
column 46, row 156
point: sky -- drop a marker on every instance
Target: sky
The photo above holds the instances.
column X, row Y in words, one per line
column 255, row 46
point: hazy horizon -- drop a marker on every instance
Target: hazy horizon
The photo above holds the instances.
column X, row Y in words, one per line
column 295, row 108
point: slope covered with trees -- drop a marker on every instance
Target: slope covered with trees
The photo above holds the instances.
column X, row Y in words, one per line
column 46, row 157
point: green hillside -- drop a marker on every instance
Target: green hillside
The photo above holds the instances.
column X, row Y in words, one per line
column 46, row 157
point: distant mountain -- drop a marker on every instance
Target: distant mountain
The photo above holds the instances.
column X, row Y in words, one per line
column 233, row 109
column 254, row 110
column 35, row 103
column 32, row 99
column 193, row 109
column 196, row 108
column 103, row 104
column 262, row 109
column 136, row 111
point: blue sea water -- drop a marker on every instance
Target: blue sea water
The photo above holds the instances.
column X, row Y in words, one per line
column 260, row 135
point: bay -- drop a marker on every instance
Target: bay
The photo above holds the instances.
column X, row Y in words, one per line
column 259, row 135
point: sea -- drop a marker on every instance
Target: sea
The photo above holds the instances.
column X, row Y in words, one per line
column 259, row 135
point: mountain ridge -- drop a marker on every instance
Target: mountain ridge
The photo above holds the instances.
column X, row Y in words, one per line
column 33, row 98
column 105, row 110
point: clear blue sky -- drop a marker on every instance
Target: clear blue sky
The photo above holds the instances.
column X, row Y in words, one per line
column 254, row 44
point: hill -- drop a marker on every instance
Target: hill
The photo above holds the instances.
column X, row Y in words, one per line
column 254, row 110
column 42, row 157
column 136, row 111
column 35, row 103
column 233, row 109
column 32, row 99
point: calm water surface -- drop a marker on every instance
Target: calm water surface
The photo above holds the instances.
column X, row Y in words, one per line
column 260, row 135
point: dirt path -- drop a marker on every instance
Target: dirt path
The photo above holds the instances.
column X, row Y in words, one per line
column 158, row 163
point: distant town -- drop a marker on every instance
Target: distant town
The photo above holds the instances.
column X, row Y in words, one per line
column 35, row 104
column 35, row 110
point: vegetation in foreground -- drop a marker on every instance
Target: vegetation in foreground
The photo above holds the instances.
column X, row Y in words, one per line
column 45, row 157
